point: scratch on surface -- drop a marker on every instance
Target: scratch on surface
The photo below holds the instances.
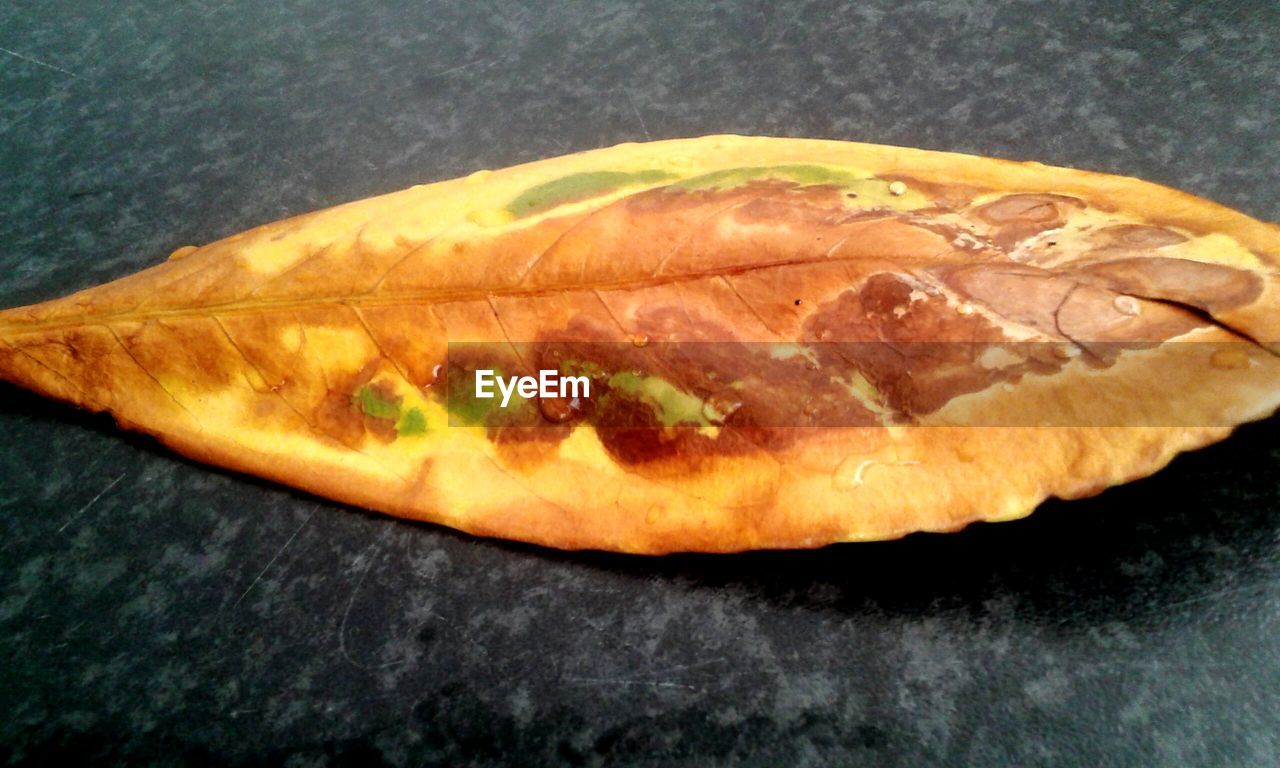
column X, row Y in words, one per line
column 92, row 501
column 1215, row 596
column 365, row 559
column 62, row 86
column 639, row 117
column 624, row 681
column 273, row 560
column 694, row 665
column 44, row 64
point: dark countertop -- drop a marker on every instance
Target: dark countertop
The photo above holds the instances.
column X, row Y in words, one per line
column 155, row 609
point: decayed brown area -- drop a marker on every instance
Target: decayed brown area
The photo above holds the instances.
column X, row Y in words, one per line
column 314, row 350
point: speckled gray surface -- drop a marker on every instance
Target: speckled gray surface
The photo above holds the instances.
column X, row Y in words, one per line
column 156, row 610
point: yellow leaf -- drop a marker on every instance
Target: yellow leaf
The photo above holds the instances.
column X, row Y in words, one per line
column 758, row 343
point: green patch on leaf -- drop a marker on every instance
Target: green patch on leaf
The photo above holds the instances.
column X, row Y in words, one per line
column 672, row 405
column 586, row 368
column 465, row 409
column 375, row 404
column 863, row 191
column 801, row 174
column 378, row 404
column 412, row 422
column 580, row 186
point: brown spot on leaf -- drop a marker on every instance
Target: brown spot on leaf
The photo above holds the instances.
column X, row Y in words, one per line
column 914, row 348
column 1017, row 217
column 1140, row 236
column 1092, row 318
column 525, row 448
column 343, row 420
column 1026, row 295
column 1211, row 287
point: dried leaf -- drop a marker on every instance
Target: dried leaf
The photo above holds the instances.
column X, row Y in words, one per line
column 790, row 343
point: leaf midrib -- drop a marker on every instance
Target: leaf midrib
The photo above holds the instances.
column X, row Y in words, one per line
column 242, row 307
